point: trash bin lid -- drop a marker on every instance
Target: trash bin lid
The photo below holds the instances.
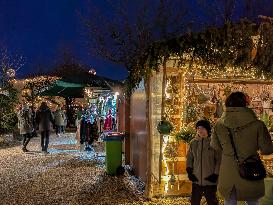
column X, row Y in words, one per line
column 113, row 138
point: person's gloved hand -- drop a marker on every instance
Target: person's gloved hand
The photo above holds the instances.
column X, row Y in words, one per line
column 212, row 178
column 191, row 176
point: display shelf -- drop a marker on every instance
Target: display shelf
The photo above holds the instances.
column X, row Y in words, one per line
column 180, row 177
column 179, row 159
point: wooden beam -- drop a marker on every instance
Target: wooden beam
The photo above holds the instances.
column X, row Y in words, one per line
column 234, row 81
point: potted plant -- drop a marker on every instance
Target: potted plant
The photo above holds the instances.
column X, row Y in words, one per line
column 185, row 135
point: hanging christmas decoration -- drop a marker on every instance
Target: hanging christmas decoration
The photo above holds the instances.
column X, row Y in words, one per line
column 214, row 96
column 202, row 98
column 227, row 91
column 265, row 95
column 219, row 109
column 191, row 114
column 164, row 127
column 209, row 112
column 172, row 180
column 171, row 150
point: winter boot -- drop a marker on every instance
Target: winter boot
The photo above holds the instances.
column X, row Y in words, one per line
column 24, row 149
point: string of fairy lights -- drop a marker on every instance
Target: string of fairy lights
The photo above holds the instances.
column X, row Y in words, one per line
column 31, row 87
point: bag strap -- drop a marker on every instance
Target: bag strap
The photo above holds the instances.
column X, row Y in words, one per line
column 233, row 145
column 232, row 140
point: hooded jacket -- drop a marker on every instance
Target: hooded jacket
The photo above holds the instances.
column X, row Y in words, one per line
column 25, row 124
column 250, row 135
column 203, row 159
column 59, row 117
column 44, row 117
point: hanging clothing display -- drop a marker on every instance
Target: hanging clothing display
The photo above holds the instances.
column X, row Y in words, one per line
column 98, row 116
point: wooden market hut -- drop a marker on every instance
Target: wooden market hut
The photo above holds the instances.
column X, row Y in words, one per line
column 183, row 90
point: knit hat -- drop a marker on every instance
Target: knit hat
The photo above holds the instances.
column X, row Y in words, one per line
column 205, row 124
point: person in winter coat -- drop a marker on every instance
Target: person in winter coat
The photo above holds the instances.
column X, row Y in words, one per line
column 43, row 119
column 25, row 125
column 249, row 135
column 203, row 163
column 59, row 118
column 65, row 120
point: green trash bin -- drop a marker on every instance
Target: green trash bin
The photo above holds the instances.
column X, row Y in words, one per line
column 113, row 150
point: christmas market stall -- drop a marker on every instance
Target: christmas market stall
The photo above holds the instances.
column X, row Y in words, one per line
column 190, row 78
column 189, row 96
column 101, row 97
column 91, row 103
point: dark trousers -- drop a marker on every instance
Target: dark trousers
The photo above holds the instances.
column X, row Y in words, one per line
column 44, row 140
column 83, row 129
column 62, row 129
column 208, row 191
column 26, row 139
column 58, row 129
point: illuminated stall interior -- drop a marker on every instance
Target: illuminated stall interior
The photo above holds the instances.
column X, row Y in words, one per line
column 103, row 104
column 190, row 93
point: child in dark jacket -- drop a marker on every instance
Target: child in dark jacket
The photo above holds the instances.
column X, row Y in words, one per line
column 203, row 164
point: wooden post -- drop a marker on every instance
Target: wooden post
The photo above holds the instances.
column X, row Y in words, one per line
column 148, row 190
column 162, row 115
column 127, row 130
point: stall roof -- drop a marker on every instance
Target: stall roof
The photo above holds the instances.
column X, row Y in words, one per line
column 64, row 89
column 93, row 81
column 72, row 84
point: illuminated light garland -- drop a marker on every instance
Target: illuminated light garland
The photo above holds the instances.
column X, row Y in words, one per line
column 36, row 79
column 166, row 176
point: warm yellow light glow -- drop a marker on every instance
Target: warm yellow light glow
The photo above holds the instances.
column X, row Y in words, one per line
column 164, row 159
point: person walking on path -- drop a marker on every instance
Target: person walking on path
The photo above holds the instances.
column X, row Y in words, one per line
column 65, row 120
column 43, row 119
column 203, row 163
column 25, row 125
column 249, row 135
column 59, row 118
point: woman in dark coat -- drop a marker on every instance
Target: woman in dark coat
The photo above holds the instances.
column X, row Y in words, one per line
column 44, row 118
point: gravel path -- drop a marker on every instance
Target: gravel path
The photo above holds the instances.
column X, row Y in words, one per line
column 65, row 176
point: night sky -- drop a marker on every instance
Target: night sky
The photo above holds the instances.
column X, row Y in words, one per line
column 41, row 30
